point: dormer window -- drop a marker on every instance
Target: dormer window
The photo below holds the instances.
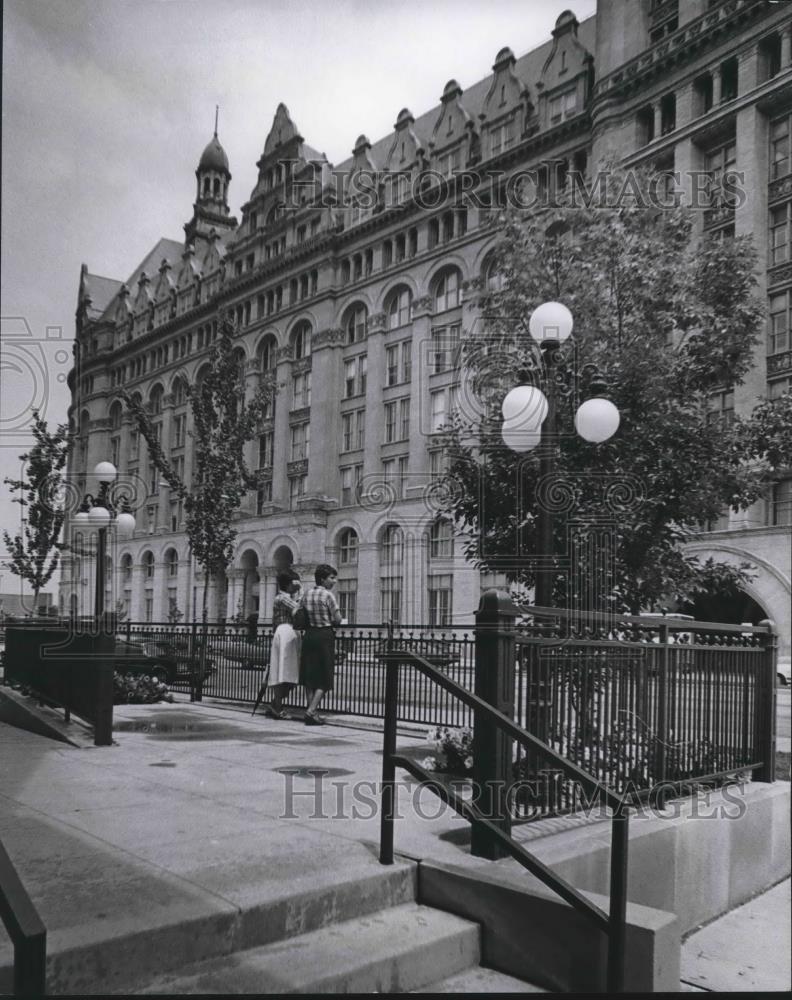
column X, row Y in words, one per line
column 562, row 106
column 501, row 137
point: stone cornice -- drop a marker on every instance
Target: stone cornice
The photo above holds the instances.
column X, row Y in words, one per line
column 300, row 416
column 704, row 31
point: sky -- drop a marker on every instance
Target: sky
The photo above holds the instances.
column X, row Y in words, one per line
column 107, row 105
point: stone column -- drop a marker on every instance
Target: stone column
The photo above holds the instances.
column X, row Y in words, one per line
column 748, row 66
column 684, row 105
column 375, row 334
column 786, row 46
column 420, row 427
column 281, row 443
column 368, row 588
column 658, row 120
column 325, row 427
column 687, row 163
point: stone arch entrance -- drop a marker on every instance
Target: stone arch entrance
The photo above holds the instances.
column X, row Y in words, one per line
column 250, row 580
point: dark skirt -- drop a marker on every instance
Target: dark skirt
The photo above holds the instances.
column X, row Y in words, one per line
column 317, row 658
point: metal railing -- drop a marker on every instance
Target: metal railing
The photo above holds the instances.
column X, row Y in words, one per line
column 612, row 923
column 645, row 703
column 26, row 930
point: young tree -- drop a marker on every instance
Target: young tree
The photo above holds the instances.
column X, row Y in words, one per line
column 223, row 423
column 35, row 551
column 668, row 321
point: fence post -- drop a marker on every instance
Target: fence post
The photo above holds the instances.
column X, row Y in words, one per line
column 492, row 748
column 662, row 705
column 388, row 749
column 765, row 732
column 193, row 653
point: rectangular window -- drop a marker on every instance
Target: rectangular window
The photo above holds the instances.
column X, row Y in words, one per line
column 719, row 163
column 178, row 467
column 346, row 591
column 721, row 408
column 390, row 422
column 149, row 605
column 440, row 600
column 115, row 451
column 437, row 464
column 265, row 450
column 779, row 234
column 781, row 503
column 501, row 137
column 301, row 390
column 562, row 105
column 134, row 446
column 353, row 430
column 296, row 490
column 404, row 419
column 390, row 599
column 445, row 348
column 355, row 376
column 179, row 430
column 778, row 329
column 398, row 366
column 176, row 515
column 263, row 496
column 350, row 481
column 300, row 439
column 779, row 147
column 438, row 410
column 153, row 478
column 401, row 476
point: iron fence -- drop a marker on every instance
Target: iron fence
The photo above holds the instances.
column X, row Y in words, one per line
column 642, row 706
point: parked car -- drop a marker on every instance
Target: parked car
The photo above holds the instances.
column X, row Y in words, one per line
column 438, row 652
column 134, row 658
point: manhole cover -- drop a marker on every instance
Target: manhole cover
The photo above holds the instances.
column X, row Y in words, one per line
column 313, row 771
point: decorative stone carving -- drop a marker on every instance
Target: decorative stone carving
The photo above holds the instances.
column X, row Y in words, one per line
column 303, row 365
column 298, row 416
column 422, row 306
column 298, row 468
column 376, row 323
column 332, row 337
column 285, row 353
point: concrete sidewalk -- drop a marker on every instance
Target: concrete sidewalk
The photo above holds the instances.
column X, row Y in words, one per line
column 201, row 813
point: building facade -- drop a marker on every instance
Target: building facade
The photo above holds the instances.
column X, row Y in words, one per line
column 353, row 285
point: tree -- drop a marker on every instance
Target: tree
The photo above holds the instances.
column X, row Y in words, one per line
column 223, row 423
column 668, row 321
column 35, row 551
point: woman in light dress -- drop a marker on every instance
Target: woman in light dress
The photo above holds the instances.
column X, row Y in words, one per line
column 285, row 655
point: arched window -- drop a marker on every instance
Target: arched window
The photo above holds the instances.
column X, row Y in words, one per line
column 447, row 290
column 206, row 186
column 301, row 340
column 441, row 539
column 494, row 279
column 179, row 392
column 172, row 563
column 391, row 558
column 116, row 416
column 148, row 565
column 155, row 401
column 126, row 570
column 348, row 547
column 398, row 307
column 355, row 323
column 267, row 354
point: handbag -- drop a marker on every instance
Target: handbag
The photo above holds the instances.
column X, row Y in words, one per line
column 300, row 619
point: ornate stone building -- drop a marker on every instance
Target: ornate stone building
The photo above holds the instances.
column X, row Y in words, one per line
column 355, row 292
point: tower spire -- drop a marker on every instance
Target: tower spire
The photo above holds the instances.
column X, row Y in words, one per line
column 217, row 112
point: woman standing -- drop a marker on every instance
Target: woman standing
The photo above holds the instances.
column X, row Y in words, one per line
column 285, row 655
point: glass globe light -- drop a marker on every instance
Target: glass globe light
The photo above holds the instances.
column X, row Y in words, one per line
column 125, row 524
column 525, row 406
column 551, row 321
column 597, row 420
column 105, row 472
column 99, row 517
column 520, row 439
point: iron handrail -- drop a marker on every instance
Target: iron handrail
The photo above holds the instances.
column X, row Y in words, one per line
column 26, row 930
column 614, row 922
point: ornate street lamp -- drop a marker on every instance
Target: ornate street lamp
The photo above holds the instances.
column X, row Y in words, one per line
column 101, row 513
column 530, row 421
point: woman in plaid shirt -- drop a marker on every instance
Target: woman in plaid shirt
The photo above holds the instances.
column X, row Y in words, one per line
column 317, row 659
column 285, row 654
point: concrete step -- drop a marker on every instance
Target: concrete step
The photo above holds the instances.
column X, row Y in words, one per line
column 481, row 980
column 113, row 957
column 397, row 950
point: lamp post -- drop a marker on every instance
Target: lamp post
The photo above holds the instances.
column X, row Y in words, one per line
column 100, row 513
column 530, row 421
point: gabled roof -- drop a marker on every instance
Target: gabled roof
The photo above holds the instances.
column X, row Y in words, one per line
column 528, row 70
column 101, row 292
column 170, row 250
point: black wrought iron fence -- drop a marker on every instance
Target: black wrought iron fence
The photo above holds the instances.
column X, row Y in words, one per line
column 229, row 662
column 642, row 706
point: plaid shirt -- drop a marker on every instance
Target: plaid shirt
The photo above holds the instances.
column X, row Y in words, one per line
column 322, row 607
column 283, row 608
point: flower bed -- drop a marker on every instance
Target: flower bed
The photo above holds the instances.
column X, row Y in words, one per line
column 137, row 689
